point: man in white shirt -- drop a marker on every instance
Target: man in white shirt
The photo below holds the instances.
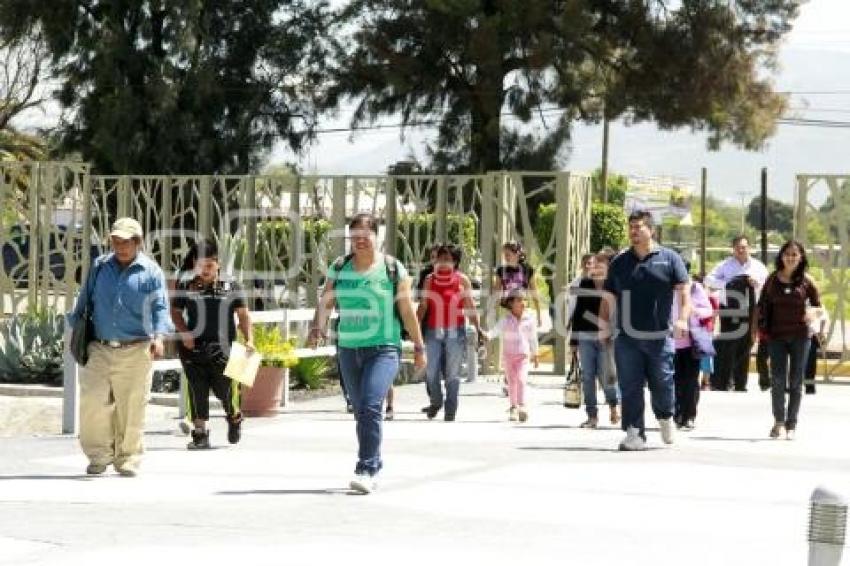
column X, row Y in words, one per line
column 734, row 343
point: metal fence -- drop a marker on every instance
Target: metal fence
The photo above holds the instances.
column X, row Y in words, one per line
column 813, row 192
column 278, row 232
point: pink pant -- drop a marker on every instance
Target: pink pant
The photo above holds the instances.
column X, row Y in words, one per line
column 516, row 373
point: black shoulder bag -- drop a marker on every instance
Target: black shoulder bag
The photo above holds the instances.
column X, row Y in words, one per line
column 83, row 332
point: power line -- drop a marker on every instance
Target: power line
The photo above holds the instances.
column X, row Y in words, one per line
column 790, row 121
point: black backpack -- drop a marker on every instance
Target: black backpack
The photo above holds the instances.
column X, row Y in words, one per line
column 740, row 288
column 391, row 265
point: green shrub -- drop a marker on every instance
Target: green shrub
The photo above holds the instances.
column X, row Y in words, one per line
column 276, row 351
column 608, row 225
column 311, row 373
column 31, row 347
column 422, row 227
column 274, row 247
column 545, row 223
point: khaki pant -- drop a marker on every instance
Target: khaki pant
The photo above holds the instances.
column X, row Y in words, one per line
column 114, row 389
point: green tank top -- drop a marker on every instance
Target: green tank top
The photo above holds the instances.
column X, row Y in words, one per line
column 365, row 302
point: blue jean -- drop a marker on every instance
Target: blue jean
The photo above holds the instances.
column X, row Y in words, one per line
column 446, row 350
column 594, row 366
column 368, row 374
column 639, row 363
column 782, row 376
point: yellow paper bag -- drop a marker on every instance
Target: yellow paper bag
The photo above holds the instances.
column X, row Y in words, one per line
column 242, row 366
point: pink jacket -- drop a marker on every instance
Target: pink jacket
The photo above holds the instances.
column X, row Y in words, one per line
column 700, row 308
column 519, row 336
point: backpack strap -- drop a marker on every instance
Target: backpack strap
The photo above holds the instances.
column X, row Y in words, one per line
column 391, row 264
column 338, row 265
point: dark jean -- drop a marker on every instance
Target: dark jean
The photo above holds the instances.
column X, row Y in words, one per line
column 686, row 378
column 446, row 349
column 786, row 371
column 368, row 374
column 732, row 362
column 644, row 362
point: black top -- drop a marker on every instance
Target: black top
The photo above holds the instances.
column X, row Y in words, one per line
column 209, row 309
column 514, row 277
column 782, row 307
column 586, row 312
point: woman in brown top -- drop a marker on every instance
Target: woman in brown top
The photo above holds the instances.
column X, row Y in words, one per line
column 788, row 301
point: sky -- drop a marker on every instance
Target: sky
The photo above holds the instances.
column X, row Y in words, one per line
column 815, row 58
column 814, row 66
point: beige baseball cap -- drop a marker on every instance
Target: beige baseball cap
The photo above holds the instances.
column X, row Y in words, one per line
column 126, row 229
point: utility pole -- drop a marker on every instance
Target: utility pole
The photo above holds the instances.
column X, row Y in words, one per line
column 764, row 215
column 604, row 176
column 703, row 224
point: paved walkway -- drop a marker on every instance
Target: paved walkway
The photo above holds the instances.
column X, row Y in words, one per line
column 477, row 491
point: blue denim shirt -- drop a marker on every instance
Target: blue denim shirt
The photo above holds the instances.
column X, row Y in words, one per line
column 128, row 304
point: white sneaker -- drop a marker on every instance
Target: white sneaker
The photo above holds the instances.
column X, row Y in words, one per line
column 364, row 483
column 633, row 440
column 666, row 426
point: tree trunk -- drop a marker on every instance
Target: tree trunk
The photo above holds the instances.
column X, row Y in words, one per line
column 485, row 154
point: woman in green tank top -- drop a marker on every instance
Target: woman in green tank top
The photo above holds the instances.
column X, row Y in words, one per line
column 372, row 293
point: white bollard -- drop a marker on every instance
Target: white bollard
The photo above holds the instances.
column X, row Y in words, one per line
column 827, row 527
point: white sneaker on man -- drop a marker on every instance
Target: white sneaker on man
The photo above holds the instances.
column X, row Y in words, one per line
column 666, row 427
column 633, row 440
column 364, row 484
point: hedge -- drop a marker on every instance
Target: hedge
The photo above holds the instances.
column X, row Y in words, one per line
column 607, row 225
column 422, row 227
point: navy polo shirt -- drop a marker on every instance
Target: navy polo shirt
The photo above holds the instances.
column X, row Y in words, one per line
column 645, row 288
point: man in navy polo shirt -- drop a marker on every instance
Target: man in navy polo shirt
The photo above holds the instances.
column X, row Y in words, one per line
column 643, row 281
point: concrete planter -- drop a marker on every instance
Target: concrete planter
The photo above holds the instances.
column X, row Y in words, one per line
column 264, row 398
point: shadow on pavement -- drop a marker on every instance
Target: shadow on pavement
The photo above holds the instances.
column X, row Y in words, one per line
column 732, row 439
column 581, row 449
column 182, row 448
column 341, row 410
column 75, row 477
column 333, row 491
column 481, row 395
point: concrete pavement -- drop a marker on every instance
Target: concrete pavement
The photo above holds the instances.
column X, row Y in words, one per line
column 480, row 490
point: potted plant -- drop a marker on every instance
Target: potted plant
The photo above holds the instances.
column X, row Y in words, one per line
column 263, row 399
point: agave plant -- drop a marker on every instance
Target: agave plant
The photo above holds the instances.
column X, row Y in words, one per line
column 311, row 373
column 31, row 347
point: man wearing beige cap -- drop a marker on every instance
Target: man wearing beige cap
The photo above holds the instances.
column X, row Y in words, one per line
column 130, row 315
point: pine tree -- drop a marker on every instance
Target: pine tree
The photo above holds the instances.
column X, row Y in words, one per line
column 178, row 86
column 465, row 63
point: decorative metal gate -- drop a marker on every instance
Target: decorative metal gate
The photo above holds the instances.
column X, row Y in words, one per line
column 813, row 192
column 44, row 233
column 279, row 233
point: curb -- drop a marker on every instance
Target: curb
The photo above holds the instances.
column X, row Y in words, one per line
column 27, row 390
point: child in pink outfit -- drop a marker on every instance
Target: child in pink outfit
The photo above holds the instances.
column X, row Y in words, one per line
column 518, row 330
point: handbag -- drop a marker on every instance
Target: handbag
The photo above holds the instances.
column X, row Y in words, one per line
column 572, row 387
column 702, row 341
column 83, row 332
